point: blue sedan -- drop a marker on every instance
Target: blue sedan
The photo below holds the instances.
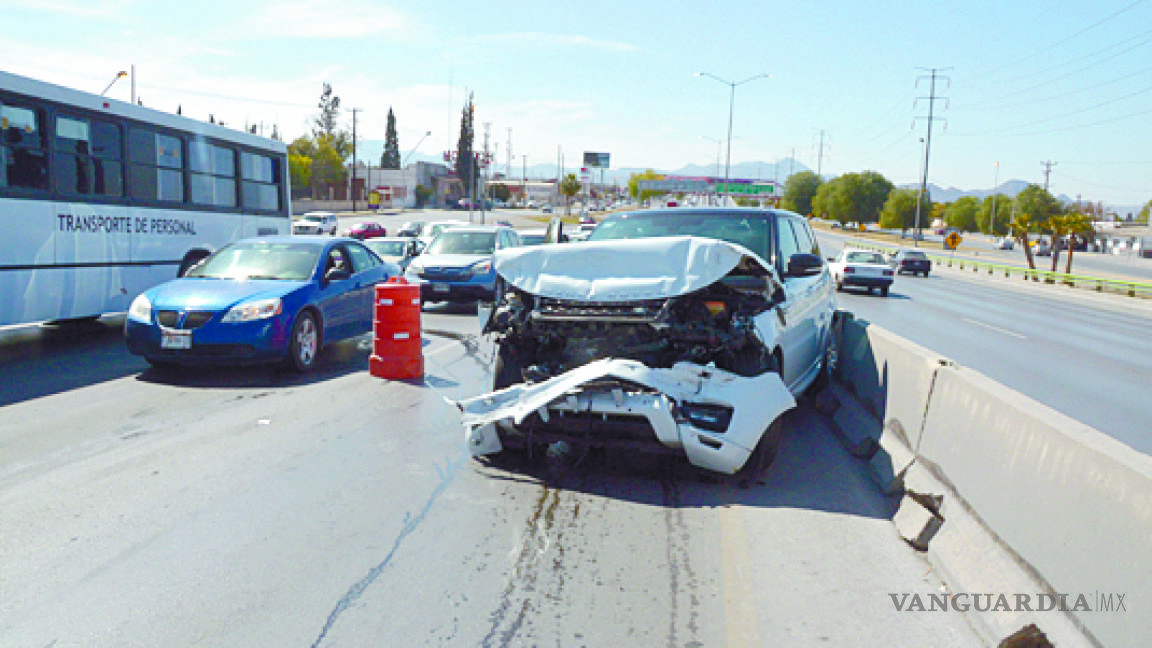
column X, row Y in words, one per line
column 269, row 299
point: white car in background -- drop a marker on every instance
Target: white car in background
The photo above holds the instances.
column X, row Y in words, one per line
column 316, row 223
column 862, row 268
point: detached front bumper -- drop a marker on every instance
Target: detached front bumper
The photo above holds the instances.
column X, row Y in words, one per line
column 715, row 418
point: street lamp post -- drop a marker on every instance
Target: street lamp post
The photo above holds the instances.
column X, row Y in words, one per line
column 731, row 109
column 119, row 75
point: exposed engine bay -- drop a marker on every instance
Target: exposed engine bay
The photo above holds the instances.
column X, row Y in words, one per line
column 660, row 344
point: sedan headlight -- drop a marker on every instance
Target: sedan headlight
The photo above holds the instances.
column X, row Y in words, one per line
column 253, row 310
column 482, row 268
column 141, row 309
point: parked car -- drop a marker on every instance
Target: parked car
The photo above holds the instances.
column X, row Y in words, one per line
column 546, row 209
column 366, row 230
column 911, row 261
column 396, row 249
column 861, row 268
column 1005, row 244
column 664, row 332
column 267, row 299
column 431, row 230
column 1041, row 248
column 316, row 222
column 457, row 265
column 410, row 228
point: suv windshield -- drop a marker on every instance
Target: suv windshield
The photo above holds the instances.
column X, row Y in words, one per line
column 464, row 242
column 749, row 230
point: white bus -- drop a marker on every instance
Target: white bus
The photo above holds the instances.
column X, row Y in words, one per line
column 101, row 199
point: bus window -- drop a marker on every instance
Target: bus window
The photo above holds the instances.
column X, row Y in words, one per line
column 156, row 172
column 23, row 163
column 212, row 177
column 87, row 159
column 261, row 180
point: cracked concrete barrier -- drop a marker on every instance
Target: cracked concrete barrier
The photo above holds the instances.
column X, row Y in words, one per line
column 892, row 377
column 1073, row 504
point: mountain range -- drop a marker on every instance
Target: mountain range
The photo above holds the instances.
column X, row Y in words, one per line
column 370, row 150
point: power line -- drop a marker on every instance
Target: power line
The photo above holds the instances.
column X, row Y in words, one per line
column 1066, row 39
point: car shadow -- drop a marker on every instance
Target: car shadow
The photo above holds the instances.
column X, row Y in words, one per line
column 46, row 359
column 812, row 470
column 336, row 359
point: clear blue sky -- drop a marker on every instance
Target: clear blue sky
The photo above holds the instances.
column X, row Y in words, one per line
column 1024, row 81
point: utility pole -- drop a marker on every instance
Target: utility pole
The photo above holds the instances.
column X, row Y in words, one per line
column 932, row 98
column 487, row 168
column 820, row 155
column 1047, row 171
column 508, row 165
column 524, row 180
column 353, row 185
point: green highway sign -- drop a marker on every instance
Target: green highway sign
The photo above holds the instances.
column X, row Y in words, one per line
column 745, row 188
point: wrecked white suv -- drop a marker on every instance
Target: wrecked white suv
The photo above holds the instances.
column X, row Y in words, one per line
column 686, row 331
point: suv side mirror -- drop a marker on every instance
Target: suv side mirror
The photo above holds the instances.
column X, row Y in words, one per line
column 804, row 265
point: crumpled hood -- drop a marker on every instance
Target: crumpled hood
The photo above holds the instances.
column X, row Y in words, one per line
column 622, row 270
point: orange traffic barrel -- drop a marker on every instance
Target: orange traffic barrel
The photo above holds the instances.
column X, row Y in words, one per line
column 397, row 345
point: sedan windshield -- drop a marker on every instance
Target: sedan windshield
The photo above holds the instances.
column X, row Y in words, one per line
column 750, row 231
column 463, row 242
column 260, row 260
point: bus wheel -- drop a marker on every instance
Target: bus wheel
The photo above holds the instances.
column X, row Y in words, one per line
column 190, row 260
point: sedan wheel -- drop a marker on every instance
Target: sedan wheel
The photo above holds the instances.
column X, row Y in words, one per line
column 304, row 344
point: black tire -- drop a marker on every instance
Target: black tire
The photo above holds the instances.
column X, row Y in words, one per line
column 762, row 455
column 839, row 286
column 925, row 274
column 304, row 343
column 508, row 370
column 883, row 291
column 831, row 360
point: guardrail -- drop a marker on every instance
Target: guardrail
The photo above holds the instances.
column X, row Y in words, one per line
column 1127, row 287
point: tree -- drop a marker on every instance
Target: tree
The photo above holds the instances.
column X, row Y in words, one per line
column 634, row 185
column 900, row 209
column 853, row 197
column 1002, row 216
column 327, row 122
column 391, row 156
column 799, row 192
column 465, row 161
column 300, row 154
column 1144, row 212
column 569, row 188
column 962, row 213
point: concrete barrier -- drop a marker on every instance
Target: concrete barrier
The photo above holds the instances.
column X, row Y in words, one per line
column 1005, row 495
column 1074, row 504
column 892, row 378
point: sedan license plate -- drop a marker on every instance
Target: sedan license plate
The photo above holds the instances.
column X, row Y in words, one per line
column 175, row 339
column 441, row 288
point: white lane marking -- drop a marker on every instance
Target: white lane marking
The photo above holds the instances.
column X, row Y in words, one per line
column 996, row 328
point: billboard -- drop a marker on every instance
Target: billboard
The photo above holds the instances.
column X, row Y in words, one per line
column 596, row 160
